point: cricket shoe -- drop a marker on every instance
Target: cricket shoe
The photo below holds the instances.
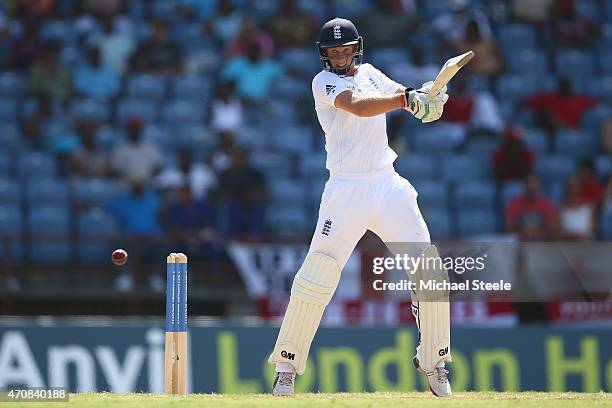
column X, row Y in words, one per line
column 437, row 379
column 283, row 384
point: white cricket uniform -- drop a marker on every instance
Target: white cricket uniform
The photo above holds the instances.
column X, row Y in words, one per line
column 363, row 192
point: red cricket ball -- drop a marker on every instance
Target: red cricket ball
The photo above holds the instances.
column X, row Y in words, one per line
column 119, row 257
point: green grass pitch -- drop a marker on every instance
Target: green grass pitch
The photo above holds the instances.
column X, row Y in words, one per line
column 356, row 400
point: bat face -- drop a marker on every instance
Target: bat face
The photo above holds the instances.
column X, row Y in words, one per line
column 448, row 71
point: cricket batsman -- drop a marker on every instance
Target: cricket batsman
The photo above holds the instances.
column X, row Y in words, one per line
column 363, row 193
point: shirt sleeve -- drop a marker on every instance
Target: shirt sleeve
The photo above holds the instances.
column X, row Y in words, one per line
column 387, row 85
column 326, row 87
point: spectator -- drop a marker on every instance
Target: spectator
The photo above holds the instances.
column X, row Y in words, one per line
column 94, row 80
column 590, row 190
column 115, row 46
column 159, row 54
column 48, row 78
column 87, row 160
column 191, row 224
column 513, row 160
column 577, row 217
column 250, row 33
column 452, row 26
column 138, row 213
column 253, row 74
column 476, row 110
column 571, row 29
column 189, row 216
column 242, row 195
column 197, row 176
column 560, row 109
column 394, row 17
column 136, row 158
column 532, row 215
column 226, row 109
column 292, row 27
column 138, row 210
column 488, row 60
column 415, row 73
column 227, row 20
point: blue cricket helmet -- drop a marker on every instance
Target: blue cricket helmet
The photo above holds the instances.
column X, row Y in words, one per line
column 339, row 32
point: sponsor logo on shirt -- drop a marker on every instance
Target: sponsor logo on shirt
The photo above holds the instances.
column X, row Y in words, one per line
column 326, row 227
column 329, row 89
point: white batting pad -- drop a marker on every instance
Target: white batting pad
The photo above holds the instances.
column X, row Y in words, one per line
column 432, row 313
column 313, row 288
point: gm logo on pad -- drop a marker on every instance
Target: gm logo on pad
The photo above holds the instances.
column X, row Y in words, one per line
column 288, row 356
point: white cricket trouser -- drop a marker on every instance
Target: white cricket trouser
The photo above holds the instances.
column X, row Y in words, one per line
column 382, row 201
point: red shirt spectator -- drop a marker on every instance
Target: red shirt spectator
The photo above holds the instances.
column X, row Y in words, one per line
column 513, row 160
column 563, row 106
column 478, row 110
column 590, row 190
column 461, row 104
column 532, row 215
column 459, row 108
column 571, row 28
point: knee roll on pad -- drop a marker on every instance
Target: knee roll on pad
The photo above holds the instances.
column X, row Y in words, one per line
column 317, row 279
column 313, row 287
column 430, row 270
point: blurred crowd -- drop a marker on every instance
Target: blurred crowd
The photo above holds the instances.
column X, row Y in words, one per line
column 183, row 118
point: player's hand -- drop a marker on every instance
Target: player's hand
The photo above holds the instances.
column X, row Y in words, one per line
column 426, row 87
column 422, row 106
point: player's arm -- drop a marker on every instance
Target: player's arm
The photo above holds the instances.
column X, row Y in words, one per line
column 414, row 101
column 368, row 106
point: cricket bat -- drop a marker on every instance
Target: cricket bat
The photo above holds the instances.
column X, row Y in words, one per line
column 448, row 71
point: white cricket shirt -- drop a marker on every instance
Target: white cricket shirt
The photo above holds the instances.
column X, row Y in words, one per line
column 353, row 144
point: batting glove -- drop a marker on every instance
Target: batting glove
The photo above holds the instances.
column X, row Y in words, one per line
column 422, row 106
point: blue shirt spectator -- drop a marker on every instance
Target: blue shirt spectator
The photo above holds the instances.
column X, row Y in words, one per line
column 189, row 215
column 94, row 80
column 252, row 74
column 116, row 46
column 137, row 212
